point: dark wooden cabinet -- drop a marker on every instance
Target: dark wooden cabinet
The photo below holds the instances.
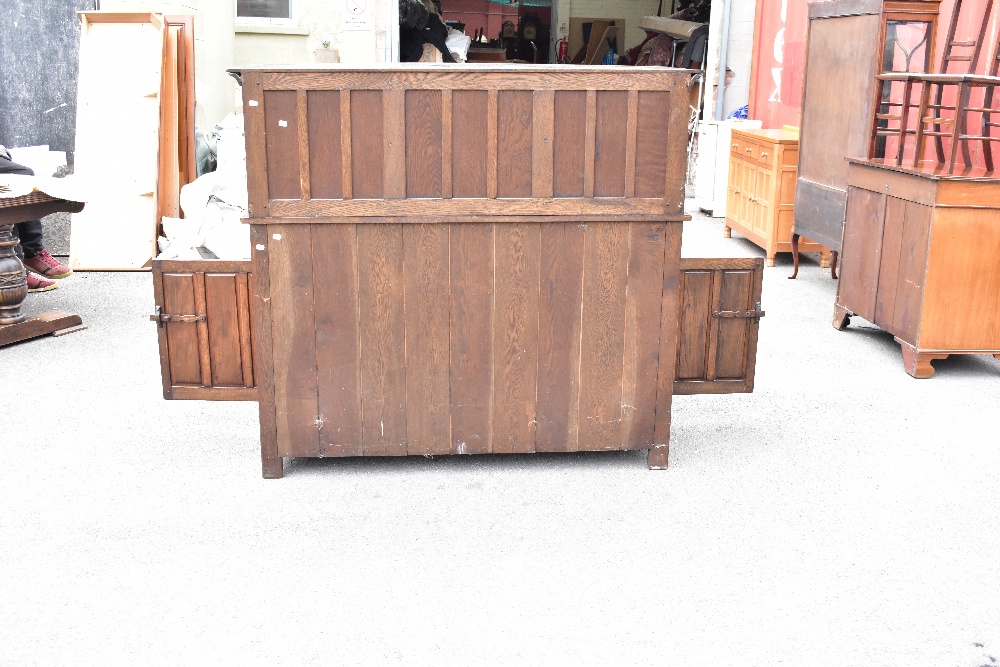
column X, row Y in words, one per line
column 849, row 43
column 920, row 261
column 461, row 260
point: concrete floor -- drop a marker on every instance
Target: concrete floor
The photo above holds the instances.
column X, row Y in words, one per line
column 842, row 514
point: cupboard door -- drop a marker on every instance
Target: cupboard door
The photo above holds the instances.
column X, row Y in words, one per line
column 763, row 197
column 748, row 176
column 718, row 322
column 862, row 250
column 733, row 190
column 203, row 319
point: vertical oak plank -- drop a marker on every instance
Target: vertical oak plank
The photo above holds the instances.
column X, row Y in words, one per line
column 668, row 340
column 589, row 143
column 394, row 126
column 543, row 126
column 676, row 160
column 735, row 293
column 631, row 134
column 446, row 143
column 471, row 145
column 570, row 133
column 200, row 308
column 338, row 339
column 293, row 327
column 514, row 153
column 224, row 329
column 426, row 277
column 367, row 145
column 424, row 129
column 696, row 322
column 643, row 300
column 346, row 151
column 471, row 337
column 281, row 144
column 492, row 101
column 182, row 337
column 245, row 315
column 602, row 339
column 302, row 131
column 260, row 285
column 515, row 336
column 326, row 163
column 254, row 121
column 383, row 360
column 559, row 315
column 610, row 139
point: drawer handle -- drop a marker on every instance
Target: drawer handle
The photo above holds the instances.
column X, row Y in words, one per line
column 737, row 190
column 763, row 154
column 736, row 146
column 749, row 149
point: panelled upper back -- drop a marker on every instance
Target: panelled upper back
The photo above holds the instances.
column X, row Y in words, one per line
column 458, row 141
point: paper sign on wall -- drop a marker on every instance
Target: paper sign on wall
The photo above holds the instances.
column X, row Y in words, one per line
column 358, row 15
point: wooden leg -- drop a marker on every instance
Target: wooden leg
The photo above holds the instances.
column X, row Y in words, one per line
column 916, row 363
column 657, row 459
column 795, row 256
column 833, row 264
column 770, row 261
column 272, row 463
column 824, row 259
column 841, row 317
column 272, row 466
column 727, row 232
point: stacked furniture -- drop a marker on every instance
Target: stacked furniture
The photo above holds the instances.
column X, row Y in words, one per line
column 762, row 167
column 135, row 142
column 848, row 44
column 461, row 260
column 922, row 237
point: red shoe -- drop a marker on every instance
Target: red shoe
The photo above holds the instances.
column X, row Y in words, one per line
column 46, row 265
column 39, row 284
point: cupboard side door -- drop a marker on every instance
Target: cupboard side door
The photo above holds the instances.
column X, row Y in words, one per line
column 203, row 326
column 860, row 257
column 717, row 325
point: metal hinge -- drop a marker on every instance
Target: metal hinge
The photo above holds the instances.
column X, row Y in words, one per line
column 755, row 314
column 160, row 317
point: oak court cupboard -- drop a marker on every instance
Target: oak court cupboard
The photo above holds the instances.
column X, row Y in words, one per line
column 461, row 260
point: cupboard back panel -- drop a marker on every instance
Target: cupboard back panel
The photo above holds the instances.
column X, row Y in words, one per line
column 468, row 338
column 344, row 143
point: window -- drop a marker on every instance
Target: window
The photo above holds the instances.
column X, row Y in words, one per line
column 264, row 11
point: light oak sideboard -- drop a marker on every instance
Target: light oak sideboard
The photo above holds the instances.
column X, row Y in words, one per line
column 761, row 202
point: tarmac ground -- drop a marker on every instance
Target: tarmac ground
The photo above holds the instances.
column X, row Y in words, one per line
column 842, row 514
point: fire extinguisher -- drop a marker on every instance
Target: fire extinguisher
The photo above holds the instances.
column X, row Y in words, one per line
column 562, row 51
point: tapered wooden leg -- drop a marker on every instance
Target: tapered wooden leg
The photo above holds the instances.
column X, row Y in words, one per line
column 833, row 264
column 824, row 259
column 795, row 256
column 658, row 457
column 727, row 232
column 770, row 261
column 996, row 356
column 841, row 317
column 916, row 363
